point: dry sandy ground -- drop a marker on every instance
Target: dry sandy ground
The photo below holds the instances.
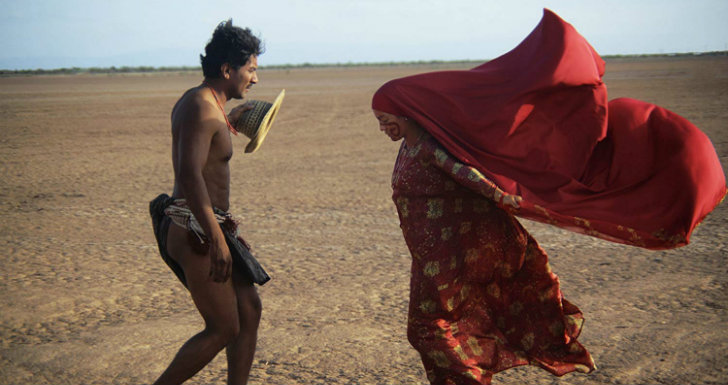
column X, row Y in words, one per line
column 86, row 299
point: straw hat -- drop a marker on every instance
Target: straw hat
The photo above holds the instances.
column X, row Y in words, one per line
column 256, row 122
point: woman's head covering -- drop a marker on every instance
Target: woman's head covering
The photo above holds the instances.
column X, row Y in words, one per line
column 382, row 101
column 536, row 122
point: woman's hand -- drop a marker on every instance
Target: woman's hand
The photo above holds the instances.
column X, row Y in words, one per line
column 511, row 201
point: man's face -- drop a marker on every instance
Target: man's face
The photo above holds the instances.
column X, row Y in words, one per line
column 244, row 77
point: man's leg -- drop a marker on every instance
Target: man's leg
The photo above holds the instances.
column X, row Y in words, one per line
column 240, row 351
column 216, row 303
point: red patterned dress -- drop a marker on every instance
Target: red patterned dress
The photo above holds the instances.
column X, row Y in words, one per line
column 482, row 295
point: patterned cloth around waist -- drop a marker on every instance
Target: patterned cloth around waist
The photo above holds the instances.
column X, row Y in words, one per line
column 182, row 216
column 179, row 213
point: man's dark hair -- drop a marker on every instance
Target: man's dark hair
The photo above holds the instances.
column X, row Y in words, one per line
column 229, row 44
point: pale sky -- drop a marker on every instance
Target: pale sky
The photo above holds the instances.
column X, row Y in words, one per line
column 83, row 33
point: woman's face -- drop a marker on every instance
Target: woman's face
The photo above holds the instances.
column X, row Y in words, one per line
column 394, row 126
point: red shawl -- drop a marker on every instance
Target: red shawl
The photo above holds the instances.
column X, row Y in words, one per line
column 536, row 122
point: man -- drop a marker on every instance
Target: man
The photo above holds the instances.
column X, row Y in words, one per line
column 196, row 236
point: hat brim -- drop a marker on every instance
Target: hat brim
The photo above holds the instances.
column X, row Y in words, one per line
column 265, row 124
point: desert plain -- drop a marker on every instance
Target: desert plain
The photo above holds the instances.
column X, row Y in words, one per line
column 86, row 299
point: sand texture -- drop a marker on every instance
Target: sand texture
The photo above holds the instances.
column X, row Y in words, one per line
column 86, row 299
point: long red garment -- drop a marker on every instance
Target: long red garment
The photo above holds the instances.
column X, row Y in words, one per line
column 537, row 123
column 483, row 297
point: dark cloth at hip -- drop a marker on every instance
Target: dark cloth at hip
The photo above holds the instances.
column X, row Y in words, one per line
column 243, row 260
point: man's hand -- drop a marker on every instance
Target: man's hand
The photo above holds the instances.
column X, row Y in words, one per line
column 221, row 262
column 237, row 112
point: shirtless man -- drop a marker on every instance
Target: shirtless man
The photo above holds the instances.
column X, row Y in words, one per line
column 196, row 237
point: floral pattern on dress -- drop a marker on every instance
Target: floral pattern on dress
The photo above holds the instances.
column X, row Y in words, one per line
column 482, row 295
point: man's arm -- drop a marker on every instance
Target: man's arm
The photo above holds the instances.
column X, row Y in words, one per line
column 194, row 138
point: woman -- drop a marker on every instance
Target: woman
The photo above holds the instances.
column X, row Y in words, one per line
column 529, row 133
column 482, row 296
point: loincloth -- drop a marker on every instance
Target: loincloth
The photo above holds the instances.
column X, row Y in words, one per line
column 165, row 210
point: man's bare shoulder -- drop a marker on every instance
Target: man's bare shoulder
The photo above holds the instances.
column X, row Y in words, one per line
column 193, row 101
column 196, row 107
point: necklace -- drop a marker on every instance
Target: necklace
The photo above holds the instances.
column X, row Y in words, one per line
column 221, row 109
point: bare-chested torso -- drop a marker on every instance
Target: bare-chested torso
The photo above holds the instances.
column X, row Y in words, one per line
column 195, row 110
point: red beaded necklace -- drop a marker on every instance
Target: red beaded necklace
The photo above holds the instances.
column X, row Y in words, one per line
column 221, row 109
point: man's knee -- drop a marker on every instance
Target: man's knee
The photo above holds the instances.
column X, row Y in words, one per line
column 251, row 305
column 224, row 331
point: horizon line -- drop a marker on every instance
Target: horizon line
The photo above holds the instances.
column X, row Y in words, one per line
column 147, row 69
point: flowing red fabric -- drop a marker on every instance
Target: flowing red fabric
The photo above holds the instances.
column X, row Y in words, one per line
column 536, row 122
